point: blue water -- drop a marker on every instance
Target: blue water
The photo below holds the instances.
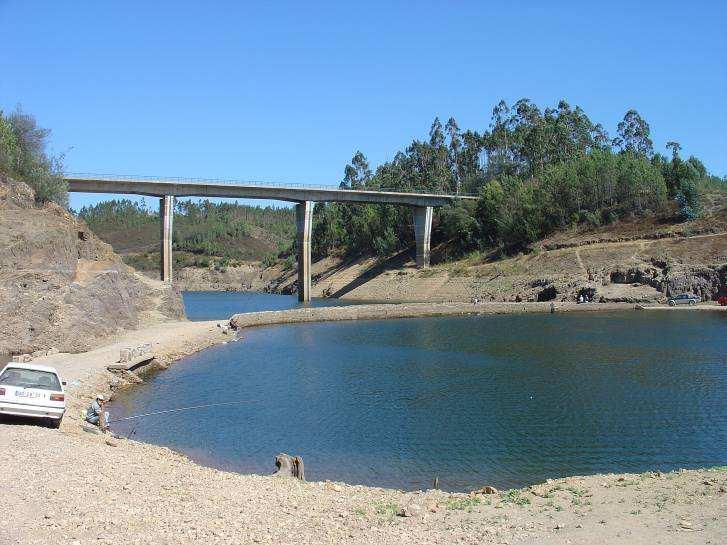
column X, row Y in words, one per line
column 220, row 305
column 500, row 400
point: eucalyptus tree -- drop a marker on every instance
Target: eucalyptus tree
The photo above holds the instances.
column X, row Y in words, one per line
column 634, row 135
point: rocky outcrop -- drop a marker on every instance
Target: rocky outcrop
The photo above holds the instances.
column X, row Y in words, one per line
column 60, row 286
column 709, row 282
column 245, row 277
column 547, row 294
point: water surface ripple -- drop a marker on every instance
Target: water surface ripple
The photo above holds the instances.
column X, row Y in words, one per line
column 500, row 400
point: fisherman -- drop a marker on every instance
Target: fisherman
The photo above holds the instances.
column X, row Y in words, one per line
column 94, row 413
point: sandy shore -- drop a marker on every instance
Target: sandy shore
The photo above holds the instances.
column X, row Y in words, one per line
column 71, row 487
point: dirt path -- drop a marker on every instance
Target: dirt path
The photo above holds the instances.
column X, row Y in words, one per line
column 581, row 265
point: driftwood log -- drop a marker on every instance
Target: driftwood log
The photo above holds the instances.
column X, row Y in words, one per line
column 289, row 466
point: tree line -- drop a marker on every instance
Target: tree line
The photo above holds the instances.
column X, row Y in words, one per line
column 201, row 228
column 534, row 171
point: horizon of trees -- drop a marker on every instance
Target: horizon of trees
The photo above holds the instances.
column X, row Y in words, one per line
column 204, row 229
column 533, row 170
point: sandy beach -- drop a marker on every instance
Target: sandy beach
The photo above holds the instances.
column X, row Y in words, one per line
column 72, row 487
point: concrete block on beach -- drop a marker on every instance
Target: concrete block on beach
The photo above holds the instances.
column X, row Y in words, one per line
column 132, row 357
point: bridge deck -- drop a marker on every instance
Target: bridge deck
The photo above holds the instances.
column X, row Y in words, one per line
column 160, row 188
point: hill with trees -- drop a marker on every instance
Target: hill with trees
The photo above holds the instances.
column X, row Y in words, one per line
column 206, row 234
column 545, row 180
column 535, row 172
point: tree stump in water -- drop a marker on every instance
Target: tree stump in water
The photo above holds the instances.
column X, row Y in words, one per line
column 289, row 466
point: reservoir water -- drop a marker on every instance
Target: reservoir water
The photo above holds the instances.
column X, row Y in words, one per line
column 220, row 305
column 500, row 400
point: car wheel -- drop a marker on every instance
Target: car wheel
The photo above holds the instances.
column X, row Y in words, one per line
column 672, row 303
column 692, row 302
column 55, row 423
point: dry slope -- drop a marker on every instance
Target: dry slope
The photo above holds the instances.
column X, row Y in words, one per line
column 643, row 260
column 60, row 286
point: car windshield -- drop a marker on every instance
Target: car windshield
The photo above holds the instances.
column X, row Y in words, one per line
column 30, row 378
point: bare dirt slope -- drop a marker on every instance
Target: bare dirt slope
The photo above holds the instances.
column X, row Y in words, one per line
column 60, row 286
column 631, row 261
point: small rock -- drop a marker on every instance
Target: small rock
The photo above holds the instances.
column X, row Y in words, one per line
column 112, row 443
column 488, row 490
column 411, row 510
column 559, row 526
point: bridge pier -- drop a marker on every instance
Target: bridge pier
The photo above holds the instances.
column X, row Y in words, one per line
column 423, row 234
column 166, row 215
column 304, row 225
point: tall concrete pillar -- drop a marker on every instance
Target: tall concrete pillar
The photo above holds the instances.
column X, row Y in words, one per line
column 166, row 215
column 423, row 234
column 304, row 224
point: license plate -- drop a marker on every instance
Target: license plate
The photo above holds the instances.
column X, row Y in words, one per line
column 29, row 395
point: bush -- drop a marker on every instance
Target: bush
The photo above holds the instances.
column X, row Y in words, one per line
column 609, row 217
column 459, row 226
column 23, row 156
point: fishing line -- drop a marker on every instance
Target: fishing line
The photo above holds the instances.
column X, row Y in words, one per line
column 180, row 409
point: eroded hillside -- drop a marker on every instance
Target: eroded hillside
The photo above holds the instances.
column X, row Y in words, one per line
column 60, row 286
column 635, row 261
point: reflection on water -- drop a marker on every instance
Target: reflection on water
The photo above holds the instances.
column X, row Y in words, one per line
column 500, row 400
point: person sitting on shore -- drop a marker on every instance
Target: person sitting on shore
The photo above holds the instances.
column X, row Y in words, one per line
column 94, row 412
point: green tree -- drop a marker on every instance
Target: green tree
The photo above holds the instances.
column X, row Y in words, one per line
column 634, row 135
column 23, row 155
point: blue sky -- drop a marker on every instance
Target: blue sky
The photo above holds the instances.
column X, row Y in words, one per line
column 289, row 91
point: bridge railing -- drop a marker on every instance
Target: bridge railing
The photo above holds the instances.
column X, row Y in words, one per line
column 258, row 183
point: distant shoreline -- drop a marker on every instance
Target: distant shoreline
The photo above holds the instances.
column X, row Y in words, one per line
column 384, row 311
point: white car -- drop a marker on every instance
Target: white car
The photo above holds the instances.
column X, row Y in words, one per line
column 33, row 391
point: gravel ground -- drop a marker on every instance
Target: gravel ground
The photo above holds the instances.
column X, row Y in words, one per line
column 65, row 488
column 71, row 487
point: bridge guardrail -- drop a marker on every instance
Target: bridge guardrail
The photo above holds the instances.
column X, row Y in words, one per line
column 259, row 183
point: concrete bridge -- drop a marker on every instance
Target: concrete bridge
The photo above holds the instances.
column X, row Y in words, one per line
column 304, row 197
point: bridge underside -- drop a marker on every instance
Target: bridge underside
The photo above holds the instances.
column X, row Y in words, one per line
column 304, row 228
column 304, row 198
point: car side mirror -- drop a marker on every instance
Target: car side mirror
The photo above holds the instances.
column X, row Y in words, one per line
column 64, row 383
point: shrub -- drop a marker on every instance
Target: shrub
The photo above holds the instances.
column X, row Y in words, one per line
column 23, row 156
column 688, row 206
